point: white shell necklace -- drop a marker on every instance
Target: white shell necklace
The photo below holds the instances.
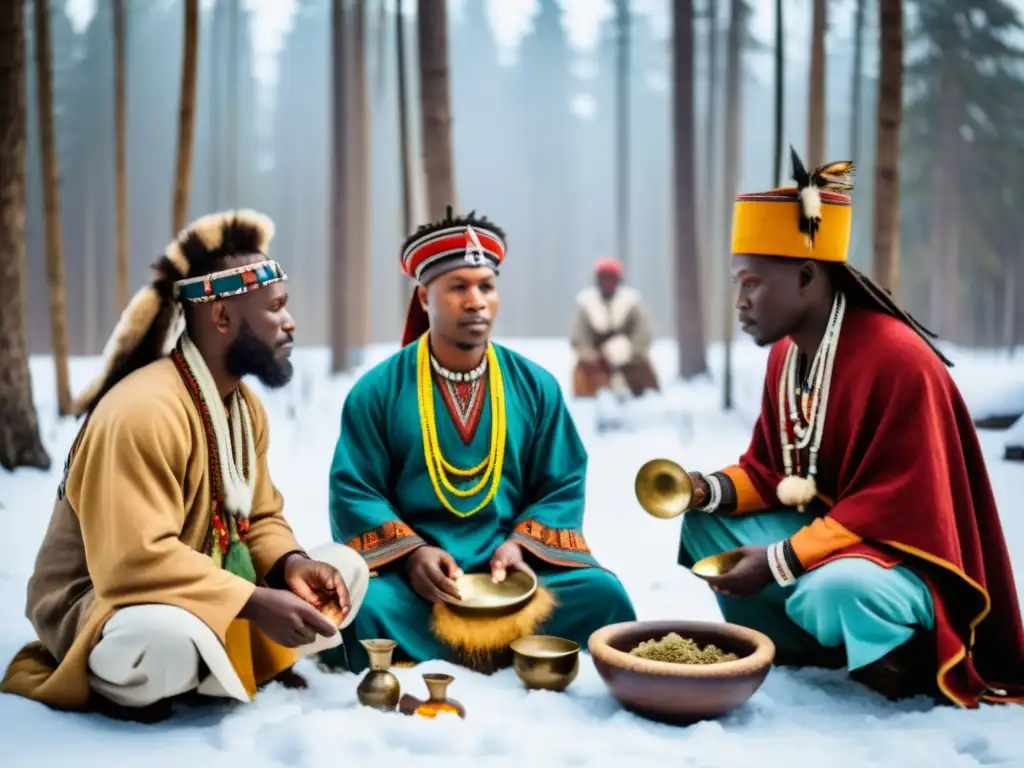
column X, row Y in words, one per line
column 458, row 376
column 793, row 490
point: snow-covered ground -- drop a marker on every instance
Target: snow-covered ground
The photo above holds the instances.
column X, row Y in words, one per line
column 809, row 717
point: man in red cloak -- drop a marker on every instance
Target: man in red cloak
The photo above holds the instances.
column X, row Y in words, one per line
column 862, row 509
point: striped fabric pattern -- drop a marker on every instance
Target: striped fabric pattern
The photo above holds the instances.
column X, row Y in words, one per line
column 477, row 245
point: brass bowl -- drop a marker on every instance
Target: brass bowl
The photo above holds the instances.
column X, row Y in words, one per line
column 481, row 595
column 716, row 565
column 544, row 662
column 663, row 488
column 681, row 693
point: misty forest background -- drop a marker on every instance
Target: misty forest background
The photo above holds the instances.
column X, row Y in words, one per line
column 534, row 139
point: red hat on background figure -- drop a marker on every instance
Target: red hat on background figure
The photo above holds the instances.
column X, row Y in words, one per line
column 608, row 266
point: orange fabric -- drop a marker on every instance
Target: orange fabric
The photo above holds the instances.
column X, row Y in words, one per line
column 558, row 538
column 256, row 658
column 825, row 536
column 747, row 498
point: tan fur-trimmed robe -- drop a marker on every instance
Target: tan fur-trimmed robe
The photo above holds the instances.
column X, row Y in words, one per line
column 612, row 336
column 127, row 528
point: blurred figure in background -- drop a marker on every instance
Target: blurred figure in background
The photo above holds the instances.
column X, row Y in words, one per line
column 612, row 335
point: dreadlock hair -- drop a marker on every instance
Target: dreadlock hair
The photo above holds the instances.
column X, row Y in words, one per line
column 450, row 220
column 862, row 291
column 150, row 325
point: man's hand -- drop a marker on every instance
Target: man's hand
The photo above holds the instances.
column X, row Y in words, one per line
column 432, row 573
column 748, row 577
column 285, row 618
column 701, row 491
column 320, row 585
column 508, row 555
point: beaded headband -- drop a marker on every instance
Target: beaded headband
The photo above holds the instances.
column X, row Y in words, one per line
column 229, row 282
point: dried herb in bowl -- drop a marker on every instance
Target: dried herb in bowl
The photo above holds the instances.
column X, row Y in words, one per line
column 681, row 650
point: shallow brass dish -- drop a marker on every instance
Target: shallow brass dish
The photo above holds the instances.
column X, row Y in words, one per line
column 481, row 594
column 663, row 488
column 545, row 662
column 716, row 565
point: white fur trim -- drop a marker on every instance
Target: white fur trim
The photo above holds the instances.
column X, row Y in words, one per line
column 177, row 257
column 608, row 316
column 238, row 491
column 133, row 323
column 617, row 351
column 174, row 330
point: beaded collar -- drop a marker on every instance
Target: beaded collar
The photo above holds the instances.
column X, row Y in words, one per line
column 458, row 376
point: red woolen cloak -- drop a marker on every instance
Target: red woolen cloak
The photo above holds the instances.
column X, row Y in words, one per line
column 901, row 459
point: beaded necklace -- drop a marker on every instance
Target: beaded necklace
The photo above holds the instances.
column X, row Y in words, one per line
column 437, row 466
column 463, row 391
column 794, row 490
column 231, row 451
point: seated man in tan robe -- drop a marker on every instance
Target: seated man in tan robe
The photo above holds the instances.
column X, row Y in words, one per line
column 612, row 335
column 168, row 567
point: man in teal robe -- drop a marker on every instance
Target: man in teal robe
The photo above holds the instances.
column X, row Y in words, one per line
column 493, row 412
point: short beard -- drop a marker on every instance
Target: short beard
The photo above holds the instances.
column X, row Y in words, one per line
column 248, row 355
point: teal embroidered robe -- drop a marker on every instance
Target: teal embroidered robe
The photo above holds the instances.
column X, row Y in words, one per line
column 383, row 503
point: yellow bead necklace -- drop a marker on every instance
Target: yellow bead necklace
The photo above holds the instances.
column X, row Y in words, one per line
column 437, row 466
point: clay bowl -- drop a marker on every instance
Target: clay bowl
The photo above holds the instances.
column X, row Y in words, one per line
column 681, row 693
column 544, row 662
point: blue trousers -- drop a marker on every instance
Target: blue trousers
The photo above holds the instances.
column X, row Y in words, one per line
column 851, row 603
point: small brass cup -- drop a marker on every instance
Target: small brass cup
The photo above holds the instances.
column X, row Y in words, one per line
column 544, row 662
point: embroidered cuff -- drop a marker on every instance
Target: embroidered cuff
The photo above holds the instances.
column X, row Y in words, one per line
column 795, row 567
column 721, row 494
column 386, row 543
column 558, row 546
column 780, row 565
